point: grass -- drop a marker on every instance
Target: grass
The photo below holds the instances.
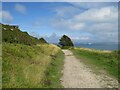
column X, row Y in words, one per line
column 99, row 60
column 53, row 73
column 0, row 65
column 26, row 66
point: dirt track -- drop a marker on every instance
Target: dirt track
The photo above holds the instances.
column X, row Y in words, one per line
column 77, row 75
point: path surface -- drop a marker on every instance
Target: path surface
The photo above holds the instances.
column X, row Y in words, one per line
column 77, row 75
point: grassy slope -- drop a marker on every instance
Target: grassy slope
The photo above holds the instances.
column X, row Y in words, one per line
column 15, row 35
column 0, row 66
column 99, row 60
column 26, row 66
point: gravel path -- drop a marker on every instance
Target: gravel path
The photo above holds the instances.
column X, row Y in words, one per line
column 77, row 75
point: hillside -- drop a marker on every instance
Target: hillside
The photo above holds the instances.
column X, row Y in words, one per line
column 31, row 66
column 12, row 34
column 28, row 62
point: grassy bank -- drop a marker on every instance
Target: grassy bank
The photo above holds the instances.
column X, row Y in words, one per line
column 100, row 61
column 53, row 73
column 26, row 66
column 0, row 65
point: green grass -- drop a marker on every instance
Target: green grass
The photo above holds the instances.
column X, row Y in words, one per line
column 0, row 65
column 26, row 66
column 99, row 60
column 53, row 73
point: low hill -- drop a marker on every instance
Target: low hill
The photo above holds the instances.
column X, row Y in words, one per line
column 12, row 34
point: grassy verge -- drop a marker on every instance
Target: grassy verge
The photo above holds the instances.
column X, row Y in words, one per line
column 0, row 66
column 53, row 73
column 99, row 60
column 26, row 66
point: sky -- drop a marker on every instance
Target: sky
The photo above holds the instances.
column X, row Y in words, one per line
column 83, row 22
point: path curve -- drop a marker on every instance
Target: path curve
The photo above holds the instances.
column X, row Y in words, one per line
column 77, row 75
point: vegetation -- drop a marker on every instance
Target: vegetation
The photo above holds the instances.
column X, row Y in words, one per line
column 53, row 73
column 29, row 62
column 42, row 40
column 0, row 65
column 12, row 34
column 99, row 60
column 31, row 66
column 66, row 42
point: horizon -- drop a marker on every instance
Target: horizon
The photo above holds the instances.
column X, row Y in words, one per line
column 82, row 22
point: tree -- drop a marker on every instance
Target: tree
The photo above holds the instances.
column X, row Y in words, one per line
column 65, row 41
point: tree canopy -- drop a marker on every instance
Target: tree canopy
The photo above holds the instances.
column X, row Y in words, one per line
column 65, row 41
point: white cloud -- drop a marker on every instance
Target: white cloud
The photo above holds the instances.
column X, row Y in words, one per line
column 104, row 27
column 5, row 16
column 104, row 32
column 20, row 8
column 77, row 26
column 80, row 38
column 53, row 38
column 79, row 21
column 101, row 23
column 67, row 11
column 67, row 24
column 106, row 14
column 34, row 34
column 88, row 5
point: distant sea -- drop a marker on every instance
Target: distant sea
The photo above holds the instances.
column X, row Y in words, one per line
column 100, row 46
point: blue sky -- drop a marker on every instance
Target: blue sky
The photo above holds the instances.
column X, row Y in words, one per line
column 82, row 22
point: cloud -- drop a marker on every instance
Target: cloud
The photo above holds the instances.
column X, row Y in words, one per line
column 20, row 8
column 77, row 26
column 5, row 16
column 81, row 38
column 34, row 34
column 106, row 14
column 104, row 27
column 53, row 38
column 79, row 21
column 63, row 24
column 88, row 5
column 101, row 23
column 104, row 32
column 67, row 11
